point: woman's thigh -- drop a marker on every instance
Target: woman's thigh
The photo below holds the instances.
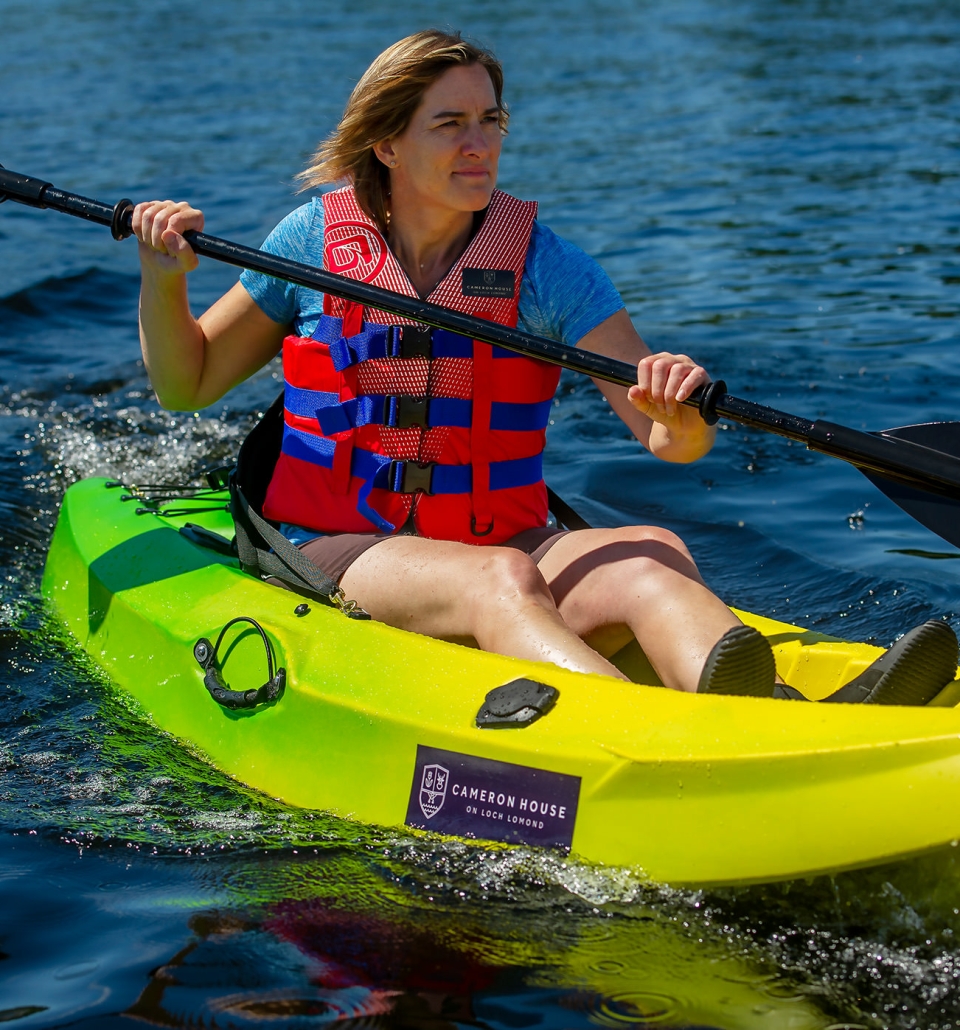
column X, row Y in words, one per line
column 605, row 581
column 440, row 587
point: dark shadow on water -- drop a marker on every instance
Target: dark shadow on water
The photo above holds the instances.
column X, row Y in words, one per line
column 60, row 302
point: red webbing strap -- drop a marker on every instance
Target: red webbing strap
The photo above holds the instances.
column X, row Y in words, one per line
column 352, row 319
column 480, row 435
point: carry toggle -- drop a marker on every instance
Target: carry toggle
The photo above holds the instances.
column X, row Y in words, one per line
column 206, row 656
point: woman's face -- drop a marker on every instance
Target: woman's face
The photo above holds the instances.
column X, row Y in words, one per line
column 447, row 156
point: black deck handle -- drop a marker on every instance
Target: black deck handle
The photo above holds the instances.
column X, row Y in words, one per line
column 206, row 655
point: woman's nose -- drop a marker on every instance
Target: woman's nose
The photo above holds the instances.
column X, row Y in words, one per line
column 474, row 141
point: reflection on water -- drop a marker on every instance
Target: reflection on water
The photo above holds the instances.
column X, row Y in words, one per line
column 347, row 935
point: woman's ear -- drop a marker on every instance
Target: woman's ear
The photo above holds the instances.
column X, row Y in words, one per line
column 386, row 153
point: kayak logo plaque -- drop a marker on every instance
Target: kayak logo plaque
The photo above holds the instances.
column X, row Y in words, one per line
column 354, row 249
column 470, row 796
column 433, row 789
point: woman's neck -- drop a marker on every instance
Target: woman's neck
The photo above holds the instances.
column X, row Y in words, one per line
column 428, row 243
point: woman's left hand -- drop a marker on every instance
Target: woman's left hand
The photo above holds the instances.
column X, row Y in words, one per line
column 664, row 381
column 653, row 410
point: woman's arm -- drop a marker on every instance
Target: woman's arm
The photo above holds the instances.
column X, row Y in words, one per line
column 652, row 410
column 193, row 362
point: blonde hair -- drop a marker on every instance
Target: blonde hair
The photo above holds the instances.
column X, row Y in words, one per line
column 380, row 108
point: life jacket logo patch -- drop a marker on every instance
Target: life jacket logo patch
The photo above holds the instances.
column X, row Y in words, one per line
column 488, row 282
column 433, row 789
column 354, row 249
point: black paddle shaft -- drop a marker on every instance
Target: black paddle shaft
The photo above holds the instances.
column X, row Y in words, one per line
column 899, row 460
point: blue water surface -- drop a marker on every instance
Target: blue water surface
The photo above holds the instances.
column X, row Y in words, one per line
column 774, row 189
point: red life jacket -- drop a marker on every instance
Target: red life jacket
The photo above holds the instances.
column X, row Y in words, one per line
column 386, row 420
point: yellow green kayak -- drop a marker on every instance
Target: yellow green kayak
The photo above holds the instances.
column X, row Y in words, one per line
column 381, row 725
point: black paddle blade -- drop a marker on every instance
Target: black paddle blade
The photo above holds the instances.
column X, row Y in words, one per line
column 939, row 514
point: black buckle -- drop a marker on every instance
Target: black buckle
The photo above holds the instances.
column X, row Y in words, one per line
column 415, row 341
column 408, row 412
column 218, row 478
column 411, row 477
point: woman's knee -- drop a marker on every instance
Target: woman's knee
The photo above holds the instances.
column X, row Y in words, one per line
column 647, row 551
column 649, row 562
column 658, row 544
column 502, row 589
column 612, row 564
column 506, row 573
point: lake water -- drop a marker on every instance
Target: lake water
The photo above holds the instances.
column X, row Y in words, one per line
column 774, row 189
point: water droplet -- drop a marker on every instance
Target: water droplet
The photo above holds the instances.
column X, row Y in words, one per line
column 609, row 966
column 637, row 1007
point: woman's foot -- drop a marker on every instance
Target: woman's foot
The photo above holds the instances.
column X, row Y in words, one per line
column 912, row 672
column 741, row 662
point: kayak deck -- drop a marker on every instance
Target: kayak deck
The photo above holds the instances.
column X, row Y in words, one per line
column 378, row 724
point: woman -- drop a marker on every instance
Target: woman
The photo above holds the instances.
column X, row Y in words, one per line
column 410, row 468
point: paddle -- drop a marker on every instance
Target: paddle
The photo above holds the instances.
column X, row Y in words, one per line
column 918, row 467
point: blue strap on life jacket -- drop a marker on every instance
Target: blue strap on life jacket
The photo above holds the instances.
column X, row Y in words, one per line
column 336, row 416
column 386, row 341
column 385, row 473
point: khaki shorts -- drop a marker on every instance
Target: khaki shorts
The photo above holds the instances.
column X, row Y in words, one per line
column 335, row 554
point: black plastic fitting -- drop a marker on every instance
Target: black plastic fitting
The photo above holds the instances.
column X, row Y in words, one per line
column 206, row 656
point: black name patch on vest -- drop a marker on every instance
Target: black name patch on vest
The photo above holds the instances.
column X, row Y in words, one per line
column 478, row 797
column 488, row 282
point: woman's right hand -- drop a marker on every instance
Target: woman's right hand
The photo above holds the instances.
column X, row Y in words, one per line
column 159, row 226
column 193, row 362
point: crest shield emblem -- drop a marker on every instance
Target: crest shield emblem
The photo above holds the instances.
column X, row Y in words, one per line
column 489, row 276
column 433, row 789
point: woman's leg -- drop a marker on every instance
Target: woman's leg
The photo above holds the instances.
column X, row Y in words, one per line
column 611, row 584
column 593, row 590
column 494, row 595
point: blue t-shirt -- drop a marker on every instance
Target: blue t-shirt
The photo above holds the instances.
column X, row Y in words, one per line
column 564, row 293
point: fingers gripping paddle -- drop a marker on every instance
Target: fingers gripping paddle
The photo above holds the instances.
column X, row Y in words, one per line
column 918, row 467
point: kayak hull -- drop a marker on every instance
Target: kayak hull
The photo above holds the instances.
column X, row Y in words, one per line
column 378, row 725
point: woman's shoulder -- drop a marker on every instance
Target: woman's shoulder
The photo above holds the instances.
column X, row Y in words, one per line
column 553, row 259
column 299, row 237
column 565, row 292
column 543, row 240
column 554, row 262
column 299, row 234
